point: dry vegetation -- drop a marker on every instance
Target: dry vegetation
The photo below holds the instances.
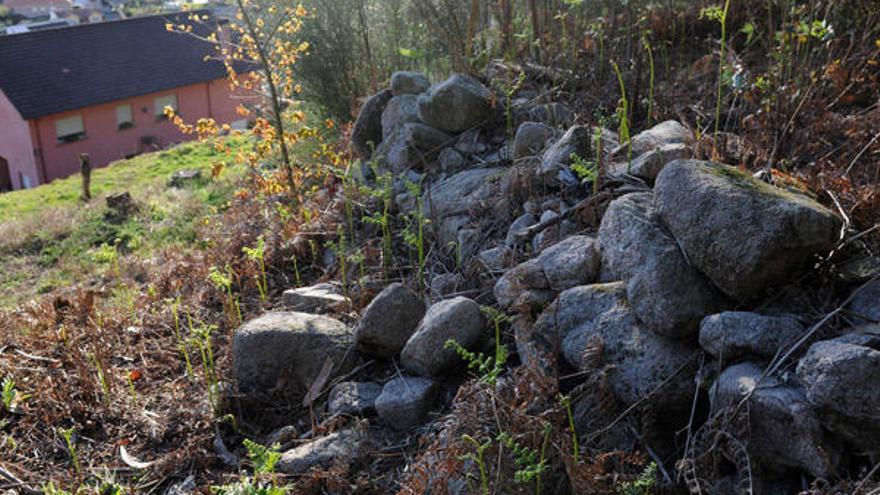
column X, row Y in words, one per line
column 125, row 362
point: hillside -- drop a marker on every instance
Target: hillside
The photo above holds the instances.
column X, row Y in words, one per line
column 573, row 253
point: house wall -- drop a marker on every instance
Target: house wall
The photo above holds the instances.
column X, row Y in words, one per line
column 105, row 143
column 15, row 145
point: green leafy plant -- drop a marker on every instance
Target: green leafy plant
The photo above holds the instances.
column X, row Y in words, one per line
column 258, row 254
column 340, row 249
column 586, row 170
column 645, row 484
column 478, row 458
column 623, row 115
column 200, row 337
column 181, row 344
column 222, row 280
column 69, row 440
column 548, row 429
column 575, row 446
column 10, row 395
column 383, row 192
column 102, row 377
column 527, row 460
column 51, row 489
column 647, row 44
column 489, row 368
column 718, row 14
column 263, row 459
column 510, row 88
column 414, row 235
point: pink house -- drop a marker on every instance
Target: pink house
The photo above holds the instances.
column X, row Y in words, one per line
column 101, row 89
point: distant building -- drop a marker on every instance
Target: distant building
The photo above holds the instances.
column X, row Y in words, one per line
column 33, row 9
column 101, row 89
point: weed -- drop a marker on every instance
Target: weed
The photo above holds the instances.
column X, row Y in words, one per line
column 478, row 459
column 223, row 282
column 263, row 459
column 623, row 116
column 102, row 378
column 128, row 377
column 510, row 88
column 548, row 429
column 647, row 44
column 383, row 192
column 575, row 446
column 414, row 235
column 718, row 14
column 530, row 468
column 340, row 249
column 181, row 344
column 258, row 254
column 68, row 435
column 10, row 395
column 489, row 368
column 200, row 336
column 586, row 171
column 644, row 485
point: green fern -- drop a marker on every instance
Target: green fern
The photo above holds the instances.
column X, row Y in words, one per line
column 645, row 484
column 527, row 460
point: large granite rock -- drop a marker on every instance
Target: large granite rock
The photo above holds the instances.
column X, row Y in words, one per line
column 648, row 165
column 459, row 319
column 399, row 110
column 320, row 298
column 354, row 398
column 389, row 321
column 525, row 277
column 406, row 401
column 668, row 132
column 339, row 447
column 668, row 295
column 573, row 261
column 841, row 377
column 784, row 431
column 285, row 351
column 409, row 83
column 456, row 104
column 530, row 139
column 553, row 169
column 744, row 234
column 735, row 334
column 367, row 131
column 865, row 306
column 644, row 363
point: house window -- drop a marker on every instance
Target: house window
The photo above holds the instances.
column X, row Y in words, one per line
column 70, row 129
column 161, row 102
column 123, row 117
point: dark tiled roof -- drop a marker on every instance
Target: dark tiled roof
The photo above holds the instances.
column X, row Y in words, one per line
column 56, row 70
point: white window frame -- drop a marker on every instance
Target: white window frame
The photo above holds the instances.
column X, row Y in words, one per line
column 125, row 118
column 70, row 129
column 160, row 102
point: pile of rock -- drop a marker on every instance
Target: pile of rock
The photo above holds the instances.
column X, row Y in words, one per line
column 671, row 273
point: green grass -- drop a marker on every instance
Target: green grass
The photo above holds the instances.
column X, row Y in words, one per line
column 125, row 175
column 50, row 239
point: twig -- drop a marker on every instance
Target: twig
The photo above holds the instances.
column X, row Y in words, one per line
column 24, row 487
column 865, row 480
column 865, row 149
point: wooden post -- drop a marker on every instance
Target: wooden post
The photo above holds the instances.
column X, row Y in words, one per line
column 85, row 169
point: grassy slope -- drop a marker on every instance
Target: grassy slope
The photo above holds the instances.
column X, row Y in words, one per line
column 124, row 175
column 50, row 239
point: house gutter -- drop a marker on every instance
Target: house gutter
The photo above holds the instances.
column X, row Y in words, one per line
column 41, row 170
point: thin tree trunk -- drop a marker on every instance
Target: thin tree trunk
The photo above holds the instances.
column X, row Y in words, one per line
column 362, row 17
column 273, row 93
